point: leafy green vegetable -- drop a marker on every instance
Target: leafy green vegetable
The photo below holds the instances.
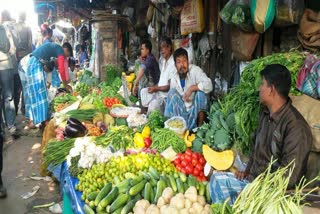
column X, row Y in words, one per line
column 112, row 72
column 242, row 102
column 156, row 120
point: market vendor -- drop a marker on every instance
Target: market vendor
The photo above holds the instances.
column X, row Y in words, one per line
column 282, row 134
column 189, row 87
column 153, row 97
column 36, row 79
column 149, row 72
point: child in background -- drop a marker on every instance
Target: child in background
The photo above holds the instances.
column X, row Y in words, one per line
column 72, row 72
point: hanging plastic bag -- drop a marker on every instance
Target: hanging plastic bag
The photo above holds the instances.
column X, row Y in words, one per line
column 237, row 12
column 262, row 14
column 288, row 12
column 192, row 17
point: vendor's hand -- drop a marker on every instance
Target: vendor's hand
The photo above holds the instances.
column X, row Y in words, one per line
column 152, row 90
column 241, row 175
column 135, row 90
column 187, row 95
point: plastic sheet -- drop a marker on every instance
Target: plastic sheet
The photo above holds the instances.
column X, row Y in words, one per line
column 67, row 186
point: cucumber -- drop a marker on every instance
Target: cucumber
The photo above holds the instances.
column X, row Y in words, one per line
column 137, row 188
column 208, row 196
column 92, row 196
column 109, row 198
column 192, row 181
column 160, row 187
column 153, row 182
column 87, row 209
column 166, row 180
column 201, row 189
column 123, row 186
column 146, row 175
column 180, row 186
column 136, row 180
column 185, row 186
column 154, row 173
column 118, row 211
column 105, row 190
column 120, row 201
column 129, row 206
column 147, row 192
column 183, row 177
column 173, row 183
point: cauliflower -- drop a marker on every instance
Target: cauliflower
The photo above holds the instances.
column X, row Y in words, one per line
column 167, row 194
column 153, row 209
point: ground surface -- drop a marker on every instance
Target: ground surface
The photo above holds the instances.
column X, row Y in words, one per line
column 22, row 160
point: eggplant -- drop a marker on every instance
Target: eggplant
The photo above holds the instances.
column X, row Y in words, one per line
column 73, row 131
column 73, row 121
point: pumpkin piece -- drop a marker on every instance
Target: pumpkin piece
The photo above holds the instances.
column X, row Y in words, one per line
column 218, row 160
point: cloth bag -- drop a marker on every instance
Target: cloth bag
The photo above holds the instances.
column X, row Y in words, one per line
column 309, row 30
column 262, row 14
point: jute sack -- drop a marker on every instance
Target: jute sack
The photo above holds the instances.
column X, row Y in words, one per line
column 310, row 110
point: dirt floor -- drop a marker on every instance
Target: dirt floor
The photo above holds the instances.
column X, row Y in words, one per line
column 22, row 161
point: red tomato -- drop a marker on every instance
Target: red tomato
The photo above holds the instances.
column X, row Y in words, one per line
column 184, row 163
column 194, row 162
column 179, row 156
column 188, row 158
column 202, row 160
column 189, row 169
column 203, row 178
column 176, row 161
column 199, row 167
column 201, row 174
column 184, row 171
column 199, row 178
column 179, row 167
column 196, row 172
column 188, row 152
column 182, row 157
column 194, row 156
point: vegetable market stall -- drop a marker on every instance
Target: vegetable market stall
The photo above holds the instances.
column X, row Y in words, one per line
column 111, row 158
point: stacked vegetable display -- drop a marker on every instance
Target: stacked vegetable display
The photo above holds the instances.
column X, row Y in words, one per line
column 153, row 188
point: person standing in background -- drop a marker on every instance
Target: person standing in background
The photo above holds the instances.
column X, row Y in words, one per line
column 8, row 64
column 24, row 47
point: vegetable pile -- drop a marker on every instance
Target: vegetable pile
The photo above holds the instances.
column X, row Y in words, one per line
column 119, row 137
column 151, row 186
column 242, row 102
column 164, row 138
column 56, row 152
column 271, row 187
column 120, row 168
column 191, row 164
column 62, row 101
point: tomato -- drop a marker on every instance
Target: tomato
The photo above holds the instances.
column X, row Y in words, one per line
column 182, row 157
column 202, row 160
column 184, row 171
column 199, row 167
column 203, row 178
column 188, row 158
column 201, row 174
column 188, row 152
column 184, row 163
column 189, row 169
column 176, row 161
column 194, row 162
column 179, row 167
column 179, row 156
column 198, row 178
column 194, row 156
column 147, row 142
column 196, row 172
